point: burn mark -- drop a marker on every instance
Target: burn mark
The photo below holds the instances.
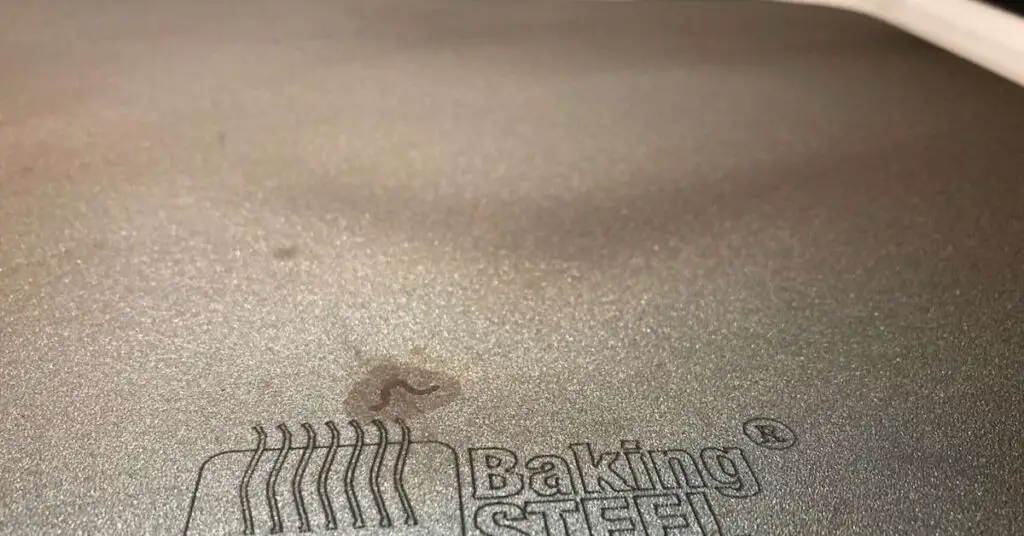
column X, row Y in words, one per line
column 398, row 383
column 285, row 253
column 395, row 390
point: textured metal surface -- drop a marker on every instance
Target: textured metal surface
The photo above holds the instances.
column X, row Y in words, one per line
column 560, row 222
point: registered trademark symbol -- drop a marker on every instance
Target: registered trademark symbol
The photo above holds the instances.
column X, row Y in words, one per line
column 769, row 433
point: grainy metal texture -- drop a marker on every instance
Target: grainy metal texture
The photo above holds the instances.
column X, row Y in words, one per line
column 565, row 222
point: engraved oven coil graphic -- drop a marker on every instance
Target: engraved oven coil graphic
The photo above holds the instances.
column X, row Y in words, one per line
column 373, row 478
column 339, row 479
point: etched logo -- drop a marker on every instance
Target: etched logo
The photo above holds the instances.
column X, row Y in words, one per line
column 312, row 487
column 769, row 433
column 377, row 479
column 631, row 490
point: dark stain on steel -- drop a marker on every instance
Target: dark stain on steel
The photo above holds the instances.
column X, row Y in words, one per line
column 285, row 253
column 397, row 390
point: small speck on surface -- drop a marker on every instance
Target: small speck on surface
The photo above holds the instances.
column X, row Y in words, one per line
column 285, row 253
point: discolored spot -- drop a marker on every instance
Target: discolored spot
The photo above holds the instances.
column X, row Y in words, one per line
column 394, row 390
column 285, row 253
column 393, row 386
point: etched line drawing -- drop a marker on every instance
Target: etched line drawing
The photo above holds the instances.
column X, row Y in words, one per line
column 276, row 524
column 243, row 486
column 350, row 473
column 378, row 460
column 300, row 473
column 398, row 383
column 331, row 522
column 266, row 460
column 403, row 455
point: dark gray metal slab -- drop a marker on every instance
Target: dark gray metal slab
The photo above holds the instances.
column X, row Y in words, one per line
column 667, row 268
